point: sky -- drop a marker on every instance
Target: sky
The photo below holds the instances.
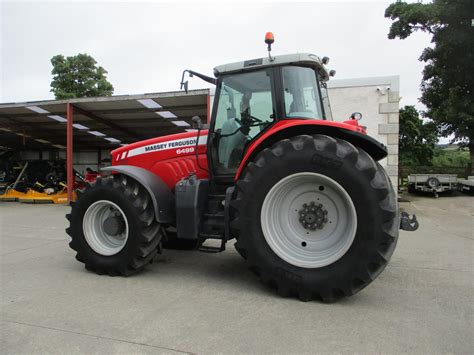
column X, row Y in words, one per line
column 145, row 46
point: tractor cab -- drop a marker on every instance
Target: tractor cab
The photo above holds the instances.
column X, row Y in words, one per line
column 253, row 95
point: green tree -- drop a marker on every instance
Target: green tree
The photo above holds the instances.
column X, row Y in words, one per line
column 450, row 157
column 78, row 76
column 448, row 77
column 417, row 138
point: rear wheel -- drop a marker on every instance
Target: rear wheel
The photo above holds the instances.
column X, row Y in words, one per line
column 308, row 220
column 315, row 217
column 113, row 227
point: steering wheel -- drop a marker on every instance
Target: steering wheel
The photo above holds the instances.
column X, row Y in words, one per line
column 249, row 120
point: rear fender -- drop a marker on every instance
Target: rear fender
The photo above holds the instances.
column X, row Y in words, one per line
column 163, row 199
column 374, row 148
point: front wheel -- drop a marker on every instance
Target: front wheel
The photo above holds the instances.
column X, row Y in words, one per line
column 113, row 227
column 315, row 217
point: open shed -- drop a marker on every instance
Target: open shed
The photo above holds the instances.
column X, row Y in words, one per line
column 97, row 124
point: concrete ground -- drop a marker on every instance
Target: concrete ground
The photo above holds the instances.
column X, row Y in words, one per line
column 210, row 303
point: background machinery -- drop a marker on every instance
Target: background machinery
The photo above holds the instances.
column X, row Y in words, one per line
column 37, row 181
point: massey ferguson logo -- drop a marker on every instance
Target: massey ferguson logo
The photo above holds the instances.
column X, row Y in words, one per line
column 169, row 145
column 178, row 143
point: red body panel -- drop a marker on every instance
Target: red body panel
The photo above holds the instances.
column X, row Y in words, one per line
column 170, row 157
column 173, row 157
column 350, row 125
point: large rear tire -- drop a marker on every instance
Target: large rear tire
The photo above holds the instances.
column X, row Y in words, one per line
column 315, row 217
column 113, row 227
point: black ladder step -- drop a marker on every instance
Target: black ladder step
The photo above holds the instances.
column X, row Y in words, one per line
column 210, row 236
column 206, row 249
column 214, row 215
column 217, row 195
column 211, row 248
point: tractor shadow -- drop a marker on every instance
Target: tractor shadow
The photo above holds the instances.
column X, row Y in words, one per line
column 227, row 269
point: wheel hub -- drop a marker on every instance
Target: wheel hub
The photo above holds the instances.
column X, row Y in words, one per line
column 105, row 227
column 114, row 225
column 313, row 216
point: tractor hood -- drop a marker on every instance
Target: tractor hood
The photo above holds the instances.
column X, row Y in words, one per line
column 167, row 147
column 169, row 157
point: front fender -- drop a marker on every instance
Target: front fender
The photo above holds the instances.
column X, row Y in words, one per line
column 163, row 199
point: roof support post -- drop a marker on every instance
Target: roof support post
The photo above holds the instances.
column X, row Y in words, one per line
column 69, row 152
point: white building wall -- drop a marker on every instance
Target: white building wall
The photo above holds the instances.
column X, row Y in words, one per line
column 377, row 99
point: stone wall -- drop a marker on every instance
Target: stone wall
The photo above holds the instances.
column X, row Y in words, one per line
column 377, row 98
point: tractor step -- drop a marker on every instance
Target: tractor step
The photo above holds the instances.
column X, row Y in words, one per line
column 211, row 249
column 213, row 224
column 206, row 249
column 218, row 196
column 214, row 215
column 210, row 236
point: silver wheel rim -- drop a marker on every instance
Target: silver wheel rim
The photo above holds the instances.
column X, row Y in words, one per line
column 289, row 227
column 93, row 226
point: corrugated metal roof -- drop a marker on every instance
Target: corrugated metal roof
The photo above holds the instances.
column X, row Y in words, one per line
column 24, row 125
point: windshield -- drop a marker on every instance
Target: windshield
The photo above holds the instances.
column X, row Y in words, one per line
column 302, row 96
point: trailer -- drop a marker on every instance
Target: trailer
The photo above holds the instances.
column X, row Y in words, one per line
column 433, row 183
column 466, row 185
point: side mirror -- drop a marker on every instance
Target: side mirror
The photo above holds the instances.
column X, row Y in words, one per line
column 184, row 85
column 197, row 122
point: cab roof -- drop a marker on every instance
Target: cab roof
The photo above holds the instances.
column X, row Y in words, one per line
column 304, row 59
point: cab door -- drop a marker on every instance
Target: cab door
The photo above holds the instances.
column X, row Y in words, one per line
column 244, row 107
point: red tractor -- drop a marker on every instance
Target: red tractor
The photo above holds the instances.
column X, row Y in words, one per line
column 312, row 211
